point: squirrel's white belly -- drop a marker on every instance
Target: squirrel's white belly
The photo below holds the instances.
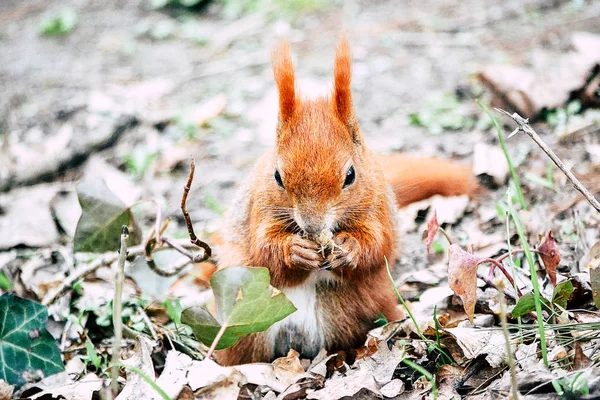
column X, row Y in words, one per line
column 304, row 330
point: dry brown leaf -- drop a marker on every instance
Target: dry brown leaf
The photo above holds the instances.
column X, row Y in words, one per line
column 174, row 376
column 6, row 390
column 580, row 361
column 136, row 387
column 547, row 85
column 550, row 255
column 476, row 342
column 462, row 277
column 61, row 386
column 432, row 229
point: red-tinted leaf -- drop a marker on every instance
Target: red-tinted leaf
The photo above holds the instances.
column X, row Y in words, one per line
column 462, row 277
column 432, row 228
column 550, row 256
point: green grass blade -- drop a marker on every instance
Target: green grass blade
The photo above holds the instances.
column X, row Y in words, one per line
column 425, row 373
column 534, row 280
column 511, row 167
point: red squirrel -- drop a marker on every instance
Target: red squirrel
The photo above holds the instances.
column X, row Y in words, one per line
column 319, row 213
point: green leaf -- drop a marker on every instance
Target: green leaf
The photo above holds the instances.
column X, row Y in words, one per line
column 526, row 304
column 562, row 292
column 60, row 24
column 5, row 283
column 92, row 354
column 245, row 302
column 103, row 215
column 25, row 344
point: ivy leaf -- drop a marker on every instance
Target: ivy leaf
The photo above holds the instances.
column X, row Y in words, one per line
column 526, row 304
column 25, row 344
column 562, row 293
column 103, row 215
column 245, row 302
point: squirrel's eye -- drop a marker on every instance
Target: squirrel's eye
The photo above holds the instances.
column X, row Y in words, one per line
column 278, row 179
column 350, row 177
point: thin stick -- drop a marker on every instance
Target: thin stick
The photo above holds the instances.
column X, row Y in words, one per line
column 105, row 259
column 523, row 126
column 186, row 215
column 117, row 311
column 491, row 283
column 504, row 271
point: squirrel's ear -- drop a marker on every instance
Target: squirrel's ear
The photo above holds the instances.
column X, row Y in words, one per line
column 283, row 69
column 342, row 93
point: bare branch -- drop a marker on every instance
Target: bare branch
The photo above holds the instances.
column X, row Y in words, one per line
column 186, row 215
column 523, row 126
column 105, row 259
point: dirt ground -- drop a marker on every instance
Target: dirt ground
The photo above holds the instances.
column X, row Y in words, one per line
column 404, row 53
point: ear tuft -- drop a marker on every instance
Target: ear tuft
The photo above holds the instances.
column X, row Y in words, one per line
column 342, row 93
column 283, row 69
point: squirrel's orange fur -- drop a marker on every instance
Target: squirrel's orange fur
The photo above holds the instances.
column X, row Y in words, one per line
column 342, row 290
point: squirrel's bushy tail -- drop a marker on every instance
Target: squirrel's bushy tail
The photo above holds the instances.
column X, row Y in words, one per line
column 415, row 179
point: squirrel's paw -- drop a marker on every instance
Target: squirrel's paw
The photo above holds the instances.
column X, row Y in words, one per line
column 303, row 254
column 345, row 252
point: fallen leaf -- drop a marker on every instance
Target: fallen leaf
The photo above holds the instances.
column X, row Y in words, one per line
column 432, row 230
column 550, row 83
column 462, row 277
column 244, row 302
column 25, row 217
column 476, row 342
column 6, row 390
column 174, row 375
column 26, row 346
column 66, row 210
column 392, row 389
column 103, row 215
column 61, row 386
column 136, row 387
column 368, row 375
column 580, row 360
column 550, row 255
column 449, row 209
column 490, row 162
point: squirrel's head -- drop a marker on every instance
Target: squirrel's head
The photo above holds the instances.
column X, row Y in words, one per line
column 318, row 163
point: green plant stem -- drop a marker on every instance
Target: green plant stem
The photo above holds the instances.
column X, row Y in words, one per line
column 217, row 339
column 510, row 360
column 117, row 310
column 423, row 372
column 410, row 314
column 534, row 281
column 510, row 255
column 511, row 167
column 145, row 377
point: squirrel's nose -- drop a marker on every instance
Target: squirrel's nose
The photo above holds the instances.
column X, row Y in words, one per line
column 312, row 225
